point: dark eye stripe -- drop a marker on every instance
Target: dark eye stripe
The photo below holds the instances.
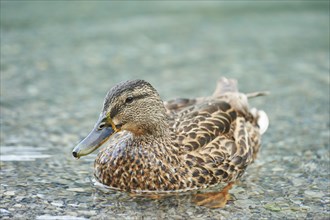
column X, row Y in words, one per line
column 142, row 96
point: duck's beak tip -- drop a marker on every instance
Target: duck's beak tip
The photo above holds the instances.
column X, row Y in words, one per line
column 93, row 141
column 75, row 154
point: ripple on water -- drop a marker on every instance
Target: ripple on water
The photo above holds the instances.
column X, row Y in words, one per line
column 56, row 217
column 22, row 153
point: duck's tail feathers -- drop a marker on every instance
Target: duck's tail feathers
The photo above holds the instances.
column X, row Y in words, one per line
column 239, row 101
column 225, row 85
column 256, row 94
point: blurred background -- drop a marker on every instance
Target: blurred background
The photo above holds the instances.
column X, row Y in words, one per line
column 59, row 58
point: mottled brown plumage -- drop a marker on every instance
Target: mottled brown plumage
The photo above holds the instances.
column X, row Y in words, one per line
column 181, row 144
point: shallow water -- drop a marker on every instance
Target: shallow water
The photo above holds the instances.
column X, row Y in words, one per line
column 58, row 61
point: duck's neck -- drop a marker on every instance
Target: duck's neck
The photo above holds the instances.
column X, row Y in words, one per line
column 153, row 127
column 159, row 137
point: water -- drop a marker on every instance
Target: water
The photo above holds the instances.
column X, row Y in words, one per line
column 59, row 59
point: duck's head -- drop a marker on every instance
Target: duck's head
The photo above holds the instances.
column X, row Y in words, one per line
column 134, row 106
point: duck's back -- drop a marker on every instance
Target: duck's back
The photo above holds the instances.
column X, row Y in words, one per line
column 219, row 136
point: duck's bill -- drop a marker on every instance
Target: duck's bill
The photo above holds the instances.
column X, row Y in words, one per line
column 94, row 140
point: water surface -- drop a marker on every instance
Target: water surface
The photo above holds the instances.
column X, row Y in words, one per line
column 59, row 59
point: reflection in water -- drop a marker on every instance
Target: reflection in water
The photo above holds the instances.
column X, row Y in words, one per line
column 213, row 199
column 217, row 198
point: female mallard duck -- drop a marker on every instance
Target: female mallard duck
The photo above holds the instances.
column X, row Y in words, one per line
column 183, row 144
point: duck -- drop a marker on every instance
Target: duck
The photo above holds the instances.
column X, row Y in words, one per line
column 151, row 145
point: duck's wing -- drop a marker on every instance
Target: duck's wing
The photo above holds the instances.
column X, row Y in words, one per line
column 202, row 122
column 196, row 126
column 217, row 141
column 176, row 105
column 219, row 137
column 223, row 86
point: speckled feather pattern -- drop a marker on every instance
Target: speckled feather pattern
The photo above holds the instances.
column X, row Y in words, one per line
column 211, row 140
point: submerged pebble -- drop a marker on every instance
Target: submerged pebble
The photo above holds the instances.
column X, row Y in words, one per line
column 57, row 203
column 9, row 193
column 273, row 207
column 4, row 212
column 314, row 194
column 76, row 189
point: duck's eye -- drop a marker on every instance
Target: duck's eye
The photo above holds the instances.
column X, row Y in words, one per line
column 129, row 99
column 101, row 125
